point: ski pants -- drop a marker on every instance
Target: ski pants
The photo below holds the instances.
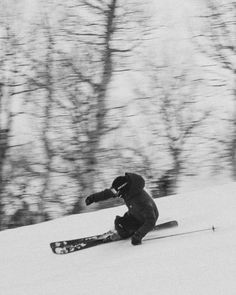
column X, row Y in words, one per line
column 126, row 225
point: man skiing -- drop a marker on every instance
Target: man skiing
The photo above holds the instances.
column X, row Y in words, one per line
column 142, row 211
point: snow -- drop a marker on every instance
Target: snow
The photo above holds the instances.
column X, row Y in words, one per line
column 200, row 263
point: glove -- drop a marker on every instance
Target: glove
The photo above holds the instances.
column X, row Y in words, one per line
column 89, row 200
column 136, row 239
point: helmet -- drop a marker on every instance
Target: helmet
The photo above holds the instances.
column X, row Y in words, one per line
column 120, row 185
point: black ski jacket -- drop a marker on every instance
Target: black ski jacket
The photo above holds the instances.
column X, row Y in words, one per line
column 140, row 204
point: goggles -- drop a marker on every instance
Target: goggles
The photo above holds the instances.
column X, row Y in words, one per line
column 117, row 192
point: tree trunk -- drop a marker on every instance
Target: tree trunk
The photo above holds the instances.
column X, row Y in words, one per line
column 3, row 150
column 101, row 93
column 233, row 146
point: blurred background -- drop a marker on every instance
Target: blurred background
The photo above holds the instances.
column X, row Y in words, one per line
column 90, row 89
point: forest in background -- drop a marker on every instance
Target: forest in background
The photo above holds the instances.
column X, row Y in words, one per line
column 90, row 89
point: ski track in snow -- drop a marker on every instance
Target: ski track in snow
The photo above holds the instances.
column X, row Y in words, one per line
column 202, row 263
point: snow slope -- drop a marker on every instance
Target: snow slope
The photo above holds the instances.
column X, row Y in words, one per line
column 202, row 263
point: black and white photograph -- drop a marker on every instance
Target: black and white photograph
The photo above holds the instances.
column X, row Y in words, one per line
column 117, row 147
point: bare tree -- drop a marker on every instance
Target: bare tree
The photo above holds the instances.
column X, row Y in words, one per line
column 41, row 92
column 98, row 32
column 218, row 42
column 70, row 71
column 12, row 84
column 174, row 116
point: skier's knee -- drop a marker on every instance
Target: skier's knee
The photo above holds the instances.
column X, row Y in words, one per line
column 123, row 233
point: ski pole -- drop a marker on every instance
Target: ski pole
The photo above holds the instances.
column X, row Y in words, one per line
column 183, row 233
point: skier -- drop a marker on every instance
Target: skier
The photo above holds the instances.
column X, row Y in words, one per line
column 142, row 211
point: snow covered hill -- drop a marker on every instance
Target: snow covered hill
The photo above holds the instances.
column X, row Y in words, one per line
column 202, row 263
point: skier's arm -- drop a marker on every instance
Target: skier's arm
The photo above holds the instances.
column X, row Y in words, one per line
column 149, row 223
column 100, row 196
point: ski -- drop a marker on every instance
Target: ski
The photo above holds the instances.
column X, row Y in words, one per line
column 68, row 246
column 182, row 233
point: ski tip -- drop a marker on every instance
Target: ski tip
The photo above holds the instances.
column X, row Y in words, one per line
column 52, row 245
column 53, row 248
column 173, row 223
column 58, row 250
